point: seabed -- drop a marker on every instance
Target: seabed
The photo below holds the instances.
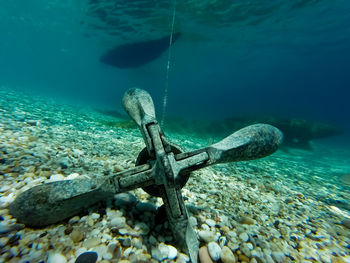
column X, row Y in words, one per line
column 289, row 207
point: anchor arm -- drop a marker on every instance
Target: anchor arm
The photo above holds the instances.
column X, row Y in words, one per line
column 252, row 142
column 53, row 202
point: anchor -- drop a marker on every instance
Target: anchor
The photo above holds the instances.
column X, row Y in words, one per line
column 162, row 169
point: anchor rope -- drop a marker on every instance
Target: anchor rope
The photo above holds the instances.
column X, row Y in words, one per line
column 166, row 88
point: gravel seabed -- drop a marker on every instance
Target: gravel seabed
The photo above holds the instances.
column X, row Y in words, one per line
column 288, row 207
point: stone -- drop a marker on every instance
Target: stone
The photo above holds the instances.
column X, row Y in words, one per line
column 157, row 254
column 278, row 257
column 95, row 216
column 172, row 252
column 77, row 235
column 56, row 177
column 207, row 236
column 204, row 256
column 126, row 242
column 74, row 220
column 246, row 220
column 242, row 257
column 214, row 251
column 102, row 251
column 92, row 242
column 87, row 257
column 227, row 255
column 244, row 237
column 210, row 222
column 182, row 258
column 56, row 258
column 118, row 222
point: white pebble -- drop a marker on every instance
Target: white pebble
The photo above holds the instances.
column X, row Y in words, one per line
column 72, row 176
column 207, row 236
column 244, row 237
column 164, row 250
column 56, row 177
column 56, row 258
column 95, row 216
column 214, row 251
column 205, row 227
column 210, row 222
column 182, row 258
column 172, row 252
column 156, row 254
column 117, row 222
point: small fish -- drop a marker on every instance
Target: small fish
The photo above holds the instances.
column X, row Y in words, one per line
column 134, row 55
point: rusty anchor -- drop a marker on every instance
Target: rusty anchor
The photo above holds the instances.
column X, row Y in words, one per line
column 162, row 169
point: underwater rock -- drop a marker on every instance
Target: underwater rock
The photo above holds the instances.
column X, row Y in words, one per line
column 118, row 222
column 204, row 256
column 214, row 251
column 227, row 255
column 207, row 236
column 56, row 258
column 133, row 55
column 87, row 257
column 246, row 220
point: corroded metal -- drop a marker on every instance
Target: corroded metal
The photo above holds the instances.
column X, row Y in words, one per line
column 162, row 170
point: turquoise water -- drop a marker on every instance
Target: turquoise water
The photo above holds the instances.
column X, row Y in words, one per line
column 235, row 63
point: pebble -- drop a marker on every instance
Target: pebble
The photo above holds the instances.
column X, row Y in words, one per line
column 172, row 254
column 102, row 251
column 207, row 236
column 77, row 235
column 74, row 220
column 157, row 254
column 92, row 242
column 118, row 222
column 56, row 258
column 246, row 220
column 210, row 222
column 204, row 256
column 278, row 257
column 6, row 228
column 182, row 258
column 87, row 257
column 214, row 251
column 244, row 237
column 227, row 255
column 95, row 216
column 56, row 177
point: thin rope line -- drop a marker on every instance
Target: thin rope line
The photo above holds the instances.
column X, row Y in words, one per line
column 166, row 88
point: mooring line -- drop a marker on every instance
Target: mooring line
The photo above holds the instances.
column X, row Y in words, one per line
column 165, row 98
